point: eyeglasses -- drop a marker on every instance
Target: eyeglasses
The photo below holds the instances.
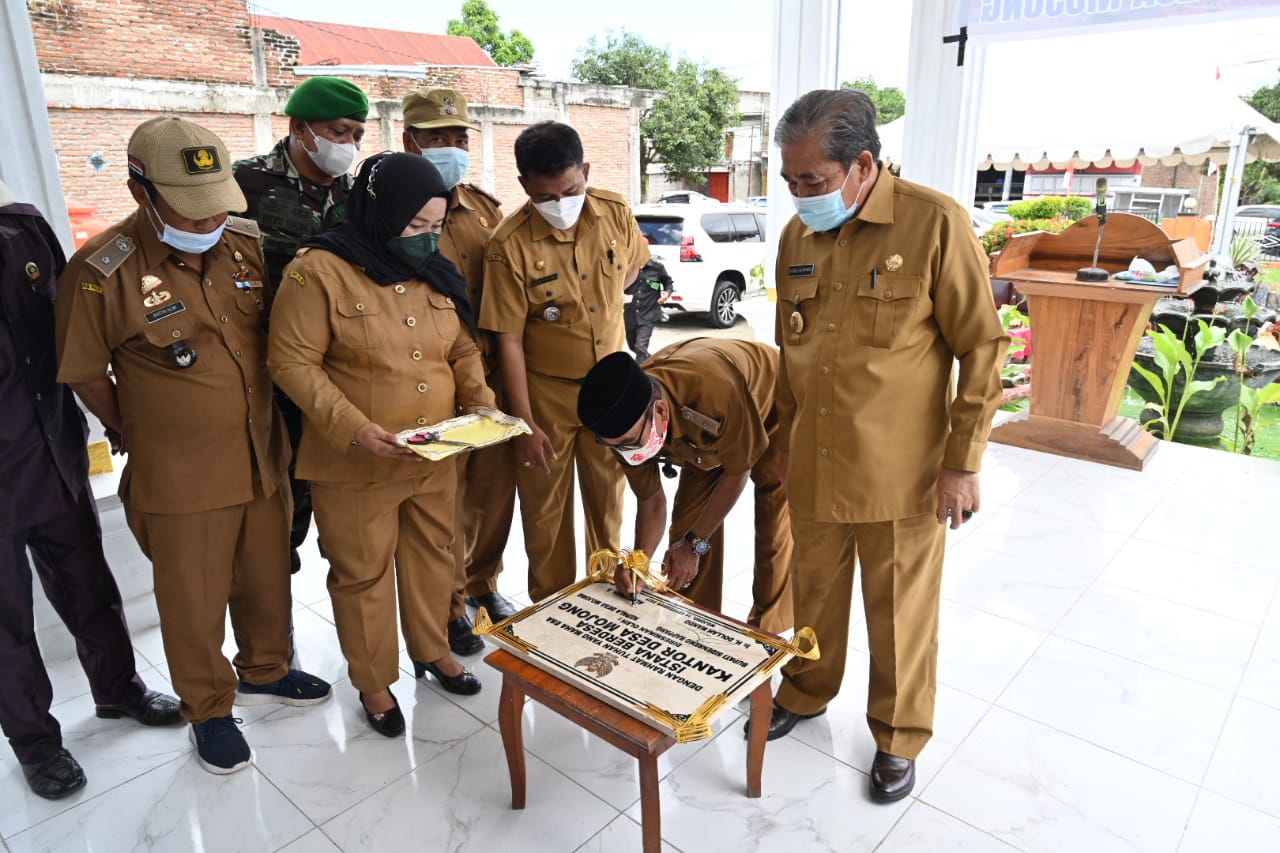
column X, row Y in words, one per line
column 631, row 443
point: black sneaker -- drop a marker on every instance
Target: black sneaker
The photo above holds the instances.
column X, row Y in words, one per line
column 220, row 746
column 296, row 688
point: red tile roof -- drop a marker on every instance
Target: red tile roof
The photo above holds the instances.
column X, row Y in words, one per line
column 339, row 44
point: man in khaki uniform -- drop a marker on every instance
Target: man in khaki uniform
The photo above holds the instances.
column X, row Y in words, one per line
column 707, row 406
column 881, row 289
column 172, row 299
column 437, row 127
column 554, row 275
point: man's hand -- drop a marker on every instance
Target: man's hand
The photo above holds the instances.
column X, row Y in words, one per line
column 680, row 565
column 534, row 450
column 116, row 440
column 379, row 442
column 958, row 496
column 625, row 581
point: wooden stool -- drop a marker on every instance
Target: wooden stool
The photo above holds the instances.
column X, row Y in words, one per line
column 638, row 739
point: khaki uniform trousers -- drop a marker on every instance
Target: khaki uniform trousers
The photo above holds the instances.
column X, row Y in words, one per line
column 486, row 507
column 901, row 581
column 203, row 564
column 547, row 507
column 389, row 540
column 771, row 586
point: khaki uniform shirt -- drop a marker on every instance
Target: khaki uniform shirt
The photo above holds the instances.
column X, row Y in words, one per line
column 564, row 293
column 721, row 398
column 870, row 319
column 198, row 436
column 349, row 351
column 473, row 215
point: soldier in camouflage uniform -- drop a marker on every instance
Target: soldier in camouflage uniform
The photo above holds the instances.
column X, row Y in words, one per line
column 295, row 191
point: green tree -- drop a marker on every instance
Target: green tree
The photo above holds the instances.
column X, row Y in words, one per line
column 624, row 59
column 890, row 102
column 480, row 23
column 1261, row 183
column 685, row 128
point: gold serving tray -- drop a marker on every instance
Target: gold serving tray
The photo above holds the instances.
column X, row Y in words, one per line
column 469, row 432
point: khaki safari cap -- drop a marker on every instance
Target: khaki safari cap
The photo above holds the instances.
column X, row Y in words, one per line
column 188, row 165
column 424, row 108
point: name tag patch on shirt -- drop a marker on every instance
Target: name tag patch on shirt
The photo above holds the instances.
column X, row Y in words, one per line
column 167, row 311
column 544, row 279
column 800, row 270
column 241, row 284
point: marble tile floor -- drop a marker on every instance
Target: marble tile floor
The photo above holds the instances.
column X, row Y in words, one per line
column 1109, row 681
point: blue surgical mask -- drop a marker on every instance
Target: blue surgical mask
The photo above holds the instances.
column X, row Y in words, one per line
column 451, row 163
column 192, row 242
column 827, row 212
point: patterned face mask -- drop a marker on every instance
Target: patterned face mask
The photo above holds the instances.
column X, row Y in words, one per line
column 653, row 443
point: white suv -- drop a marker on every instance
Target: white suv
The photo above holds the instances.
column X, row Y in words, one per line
column 709, row 252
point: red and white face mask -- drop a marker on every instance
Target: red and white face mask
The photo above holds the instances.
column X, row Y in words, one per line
column 653, row 443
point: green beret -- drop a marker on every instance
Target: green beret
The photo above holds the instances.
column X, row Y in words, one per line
column 327, row 98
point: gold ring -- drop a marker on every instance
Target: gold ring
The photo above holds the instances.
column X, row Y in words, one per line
column 527, row 464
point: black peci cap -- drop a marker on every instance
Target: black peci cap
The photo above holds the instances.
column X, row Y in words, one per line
column 614, row 395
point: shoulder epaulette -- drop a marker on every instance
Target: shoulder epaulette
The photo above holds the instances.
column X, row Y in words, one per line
column 511, row 222
column 607, row 195
column 240, row 225
column 480, row 191
column 111, row 254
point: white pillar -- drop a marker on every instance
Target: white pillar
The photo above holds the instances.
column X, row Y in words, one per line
column 940, row 137
column 29, row 165
column 806, row 46
column 1225, row 220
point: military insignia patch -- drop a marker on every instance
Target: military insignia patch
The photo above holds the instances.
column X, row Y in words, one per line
column 797, row 322
column 299, row 278
column 893, row 263
column 497, row 259
column 33, row 270
column 150, row 283
column 447, row 108
column 90, row 287
column 159, row 297
column 202, row 160
column 124, row 244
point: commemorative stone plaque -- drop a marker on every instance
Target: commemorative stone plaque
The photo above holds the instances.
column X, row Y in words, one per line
column 661, row 658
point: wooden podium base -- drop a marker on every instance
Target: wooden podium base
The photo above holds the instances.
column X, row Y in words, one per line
column 1122, row 442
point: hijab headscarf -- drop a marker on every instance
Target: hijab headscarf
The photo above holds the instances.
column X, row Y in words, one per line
column 389, row 191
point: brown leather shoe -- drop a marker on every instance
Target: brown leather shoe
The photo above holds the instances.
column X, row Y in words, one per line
column 781, row 722
column 892, row 778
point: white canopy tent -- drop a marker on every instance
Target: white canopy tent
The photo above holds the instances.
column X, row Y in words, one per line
column 1131, row 121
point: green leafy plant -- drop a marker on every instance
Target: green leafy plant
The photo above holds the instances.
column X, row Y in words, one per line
column 756, row 274
column 1251, row 400
column 999, row 235
column 1173, row 358
column 1244, row 249
column 1051, row 207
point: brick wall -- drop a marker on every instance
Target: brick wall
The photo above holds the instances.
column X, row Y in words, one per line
column 605, row 133
column 78, row 135
column 128, row 38
column 1204, row 187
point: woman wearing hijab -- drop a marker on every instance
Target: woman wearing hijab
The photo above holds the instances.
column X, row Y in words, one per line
column 371, row 334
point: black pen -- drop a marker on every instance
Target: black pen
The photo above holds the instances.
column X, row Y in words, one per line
column 873, row 279
column 611, row 256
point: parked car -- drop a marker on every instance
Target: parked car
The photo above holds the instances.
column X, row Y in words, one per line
column 1000, row 207
column 757, row 201
column 686, row 197
column 983, row 219
column 1261, row 222
column 709, row 252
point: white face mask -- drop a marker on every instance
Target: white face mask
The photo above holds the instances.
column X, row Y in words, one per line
column 190, row 242
column 333, row 158
column 563, row 213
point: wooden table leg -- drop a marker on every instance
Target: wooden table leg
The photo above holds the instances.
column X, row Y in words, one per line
column 761, row 713
column 510, row 705
column 650, row 805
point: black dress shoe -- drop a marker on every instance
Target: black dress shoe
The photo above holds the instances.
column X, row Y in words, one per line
column 781, row 722
column 461, row 640
column 892, row 778
column 498, row 605
column 386, row 723
column 151, row 709
column 464, row 683
column 56, row 778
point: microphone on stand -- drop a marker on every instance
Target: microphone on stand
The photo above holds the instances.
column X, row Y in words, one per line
column 1093, row 272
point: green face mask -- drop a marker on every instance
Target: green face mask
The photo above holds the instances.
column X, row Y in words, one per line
column 415, row 250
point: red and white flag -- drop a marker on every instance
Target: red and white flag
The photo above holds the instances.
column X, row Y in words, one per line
column 1067, row 176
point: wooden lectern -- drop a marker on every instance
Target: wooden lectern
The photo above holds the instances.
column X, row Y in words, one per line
column 1085, row 334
